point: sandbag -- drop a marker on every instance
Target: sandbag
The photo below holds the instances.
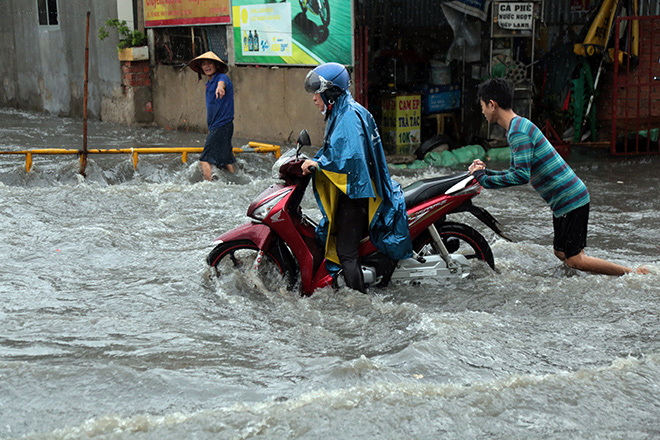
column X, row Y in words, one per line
column 477, row 150
column 448, row 159
column 434, row 158
column 463, row 155
column 503, row 153
column 417, row 164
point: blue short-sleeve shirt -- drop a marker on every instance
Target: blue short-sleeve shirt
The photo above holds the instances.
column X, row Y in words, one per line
column 219, row 111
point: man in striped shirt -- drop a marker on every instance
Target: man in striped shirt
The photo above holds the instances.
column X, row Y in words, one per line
column 534, row 160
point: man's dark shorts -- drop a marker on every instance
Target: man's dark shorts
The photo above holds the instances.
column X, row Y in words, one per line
column 571, row 231
column 218, row 149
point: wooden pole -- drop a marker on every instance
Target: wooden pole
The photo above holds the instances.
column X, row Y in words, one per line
column 83, row 157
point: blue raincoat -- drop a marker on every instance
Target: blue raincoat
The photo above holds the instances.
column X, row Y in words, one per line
column 352, row 161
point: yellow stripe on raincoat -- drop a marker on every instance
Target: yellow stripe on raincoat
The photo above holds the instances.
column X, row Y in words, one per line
column 328, row 184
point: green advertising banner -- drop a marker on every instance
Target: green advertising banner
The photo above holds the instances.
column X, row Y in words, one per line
column 294, row 32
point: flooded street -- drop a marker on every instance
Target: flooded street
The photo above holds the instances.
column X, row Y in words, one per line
column 110, row 327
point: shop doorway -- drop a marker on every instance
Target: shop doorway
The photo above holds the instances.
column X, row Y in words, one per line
column 414, row 75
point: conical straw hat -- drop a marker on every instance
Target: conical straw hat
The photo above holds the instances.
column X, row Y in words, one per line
column 196, row 64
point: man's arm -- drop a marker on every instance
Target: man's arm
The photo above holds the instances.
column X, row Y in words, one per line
column 519, row 173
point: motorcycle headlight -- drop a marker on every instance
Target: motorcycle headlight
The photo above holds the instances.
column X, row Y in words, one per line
column 261, row 212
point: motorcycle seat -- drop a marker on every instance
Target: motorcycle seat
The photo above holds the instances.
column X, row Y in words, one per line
column 424, row 189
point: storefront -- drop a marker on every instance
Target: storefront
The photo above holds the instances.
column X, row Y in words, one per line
column 416, row 65
column 437, row 53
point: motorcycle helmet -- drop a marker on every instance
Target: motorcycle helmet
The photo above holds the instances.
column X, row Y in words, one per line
column 329, row 79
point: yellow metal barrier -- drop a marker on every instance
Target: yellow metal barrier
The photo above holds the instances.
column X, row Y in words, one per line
column 252, row 147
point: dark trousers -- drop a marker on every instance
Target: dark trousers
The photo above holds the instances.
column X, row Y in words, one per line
column 351, row 224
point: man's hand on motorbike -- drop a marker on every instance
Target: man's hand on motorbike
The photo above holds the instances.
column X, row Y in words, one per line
column 477, row 164
column 308, row 166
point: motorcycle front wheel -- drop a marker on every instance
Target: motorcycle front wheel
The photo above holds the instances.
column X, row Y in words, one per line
column 241, row 263
column 458, row 238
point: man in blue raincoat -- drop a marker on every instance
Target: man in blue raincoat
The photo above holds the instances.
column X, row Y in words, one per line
column 352, row 183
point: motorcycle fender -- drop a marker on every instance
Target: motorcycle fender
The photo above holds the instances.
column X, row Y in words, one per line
column 488, row 219
column 258, row 233
column 483, row 215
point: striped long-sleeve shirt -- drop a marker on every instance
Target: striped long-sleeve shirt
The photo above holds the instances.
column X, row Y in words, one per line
column 534, row 160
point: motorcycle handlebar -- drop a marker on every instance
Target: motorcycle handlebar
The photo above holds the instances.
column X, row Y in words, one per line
column 292, row 168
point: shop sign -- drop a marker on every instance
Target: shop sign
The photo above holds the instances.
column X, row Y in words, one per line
column 402, row 122
column 293, row 32
column 265, row 30
column 515, row 16
column 441, row 101
column 186, row 12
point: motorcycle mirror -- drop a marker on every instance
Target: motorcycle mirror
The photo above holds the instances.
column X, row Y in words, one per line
column 303, row 139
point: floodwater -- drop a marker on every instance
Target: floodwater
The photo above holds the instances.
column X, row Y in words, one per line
column 110, row 327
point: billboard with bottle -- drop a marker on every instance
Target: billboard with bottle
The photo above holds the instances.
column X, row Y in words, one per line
column 294, row 32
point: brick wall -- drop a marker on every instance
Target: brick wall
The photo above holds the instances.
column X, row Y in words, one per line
column 136, row 84
column 135, row 73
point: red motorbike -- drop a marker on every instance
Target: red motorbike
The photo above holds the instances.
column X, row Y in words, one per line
column 279, row 243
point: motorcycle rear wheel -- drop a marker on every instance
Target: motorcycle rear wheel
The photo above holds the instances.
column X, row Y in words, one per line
column 458, row 238
column 236, row 260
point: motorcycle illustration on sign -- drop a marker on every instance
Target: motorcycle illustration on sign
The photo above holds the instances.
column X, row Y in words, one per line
column 320, row 8
column 293, row 32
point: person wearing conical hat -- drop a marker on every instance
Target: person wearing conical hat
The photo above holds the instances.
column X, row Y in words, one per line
column 219, row 113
